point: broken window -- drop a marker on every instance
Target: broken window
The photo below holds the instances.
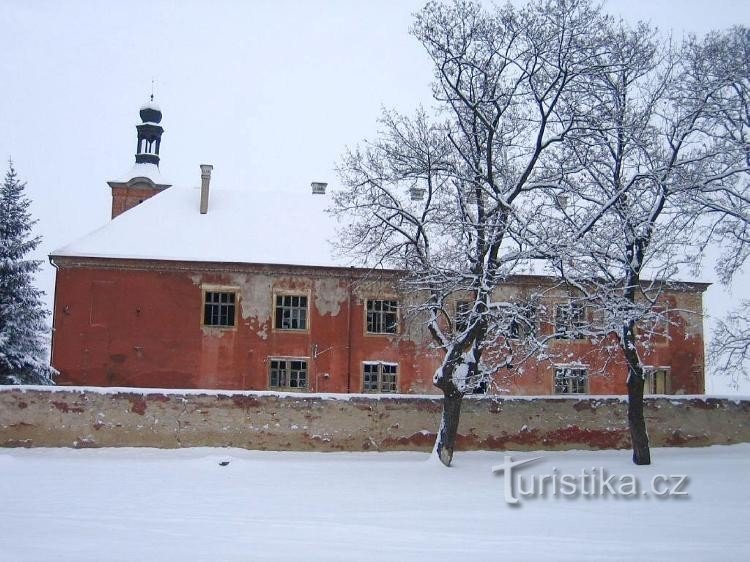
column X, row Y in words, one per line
column 570, row 380
column 463, row 308
column 379, row 377
column 382, row 316
column 570, row 320
column 523, row 323
column 287, row 374
column 291, row 312
column 218, row 308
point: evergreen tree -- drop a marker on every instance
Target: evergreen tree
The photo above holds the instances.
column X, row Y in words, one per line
column 23, row 329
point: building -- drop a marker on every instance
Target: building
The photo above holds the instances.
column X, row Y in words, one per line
column 212, row 288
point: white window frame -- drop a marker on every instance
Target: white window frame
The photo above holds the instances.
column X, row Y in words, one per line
column 381, row 386
column 573, row 322
column 288, row 372
column 573, row 375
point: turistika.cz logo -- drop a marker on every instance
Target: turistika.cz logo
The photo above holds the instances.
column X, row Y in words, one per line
column 595, row 482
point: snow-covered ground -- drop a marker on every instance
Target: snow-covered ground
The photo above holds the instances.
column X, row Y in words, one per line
column 150, row 504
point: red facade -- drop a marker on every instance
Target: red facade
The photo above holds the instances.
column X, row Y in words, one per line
column 142, row 323
column 137, row 324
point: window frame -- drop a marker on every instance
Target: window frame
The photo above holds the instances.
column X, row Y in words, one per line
column 219, row 289
column 288, row 361
column 584, row 376
column 461, row 308
column 518, row 331
column 571, row 327
column 380, row 373
column 649, row 380
column 290, row 293
column 397, row 313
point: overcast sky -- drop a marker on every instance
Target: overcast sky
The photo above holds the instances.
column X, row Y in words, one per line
column 268, row 92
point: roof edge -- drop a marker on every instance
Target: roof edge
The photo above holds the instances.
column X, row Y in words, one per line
column 134, row 181
column 108, row 262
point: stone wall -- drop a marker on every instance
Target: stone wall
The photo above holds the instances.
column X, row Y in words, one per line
column 89, row 417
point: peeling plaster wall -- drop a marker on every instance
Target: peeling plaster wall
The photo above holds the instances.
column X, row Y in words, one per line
column 254, row 300
column 117, row 418
column 330, row 296
column 135, row 323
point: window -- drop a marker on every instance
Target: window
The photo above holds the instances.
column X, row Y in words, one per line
column 523, row 323
column 291, row 312
column 570, row 380
column 656, row 380
column 569, row 320
column 218, row 308
column 462, row 315
column 379, row 377
column 382, row 316
column 288, row 374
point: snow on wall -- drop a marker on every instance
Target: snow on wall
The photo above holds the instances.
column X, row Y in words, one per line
column 98, row 417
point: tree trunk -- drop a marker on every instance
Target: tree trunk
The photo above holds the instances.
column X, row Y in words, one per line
column 636, row 421
column 446, row 438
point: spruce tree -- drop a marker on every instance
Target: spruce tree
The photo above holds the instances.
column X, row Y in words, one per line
column 23, row 328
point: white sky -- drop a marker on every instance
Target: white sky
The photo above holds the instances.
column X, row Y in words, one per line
column 269, row 92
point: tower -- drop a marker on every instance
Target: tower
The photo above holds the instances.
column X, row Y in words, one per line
column 149, row 134
column 144, row 179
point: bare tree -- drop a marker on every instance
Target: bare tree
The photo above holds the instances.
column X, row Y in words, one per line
column 730, row 347
column 649, row 145
column 720, row 64
column 451, row 198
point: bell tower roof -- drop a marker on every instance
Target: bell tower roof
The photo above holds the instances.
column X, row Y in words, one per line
column 150, row 111
column 144, row 178
column 149, row 134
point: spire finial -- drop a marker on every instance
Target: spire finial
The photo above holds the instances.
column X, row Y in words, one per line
column 152, row 89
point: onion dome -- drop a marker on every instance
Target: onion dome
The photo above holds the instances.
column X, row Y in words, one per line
column 150, row 111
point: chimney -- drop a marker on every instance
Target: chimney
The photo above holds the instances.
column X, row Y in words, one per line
column 318, row 187
column 205, row 180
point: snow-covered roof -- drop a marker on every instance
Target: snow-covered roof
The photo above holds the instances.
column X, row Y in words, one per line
column 276, row 227
column 143, row 170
